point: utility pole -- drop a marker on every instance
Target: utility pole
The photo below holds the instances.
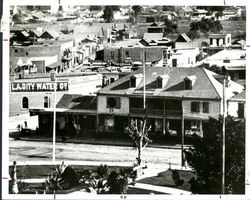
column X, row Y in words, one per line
column 182, row 134
column 54, row 121
column 144, row 80
column 223, row 136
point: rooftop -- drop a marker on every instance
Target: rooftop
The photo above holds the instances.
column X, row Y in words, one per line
column 206, row 85
column 74, row 101
column 239, row 97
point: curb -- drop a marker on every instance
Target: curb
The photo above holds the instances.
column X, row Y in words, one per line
column 101, row 143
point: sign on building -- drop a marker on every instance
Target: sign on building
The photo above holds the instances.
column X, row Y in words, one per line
column 38, row 86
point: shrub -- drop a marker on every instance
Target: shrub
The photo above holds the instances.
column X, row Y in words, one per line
column 176, row 177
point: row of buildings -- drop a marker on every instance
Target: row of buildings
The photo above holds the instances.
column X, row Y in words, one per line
column 172, row 95
column 104, row 82
column 40, row 51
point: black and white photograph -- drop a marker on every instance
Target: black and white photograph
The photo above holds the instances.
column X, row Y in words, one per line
column 125, row 100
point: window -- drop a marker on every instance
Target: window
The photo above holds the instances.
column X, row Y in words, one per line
column 113, row 102
column 205, row 107
column 226, row 60
column 241, row 110
column 112, row 80
column 218, row 42
column 27, row 53
column 159, row 82
column 133, row 82
column 211, row 41
column 127, row 53
column 195, row 107
column 174, row 62
column 187, row 84
column 16, row 50
column 242, row 75
column 25, row 102
column 136, row 102
column 46, row 102
column 112, row 55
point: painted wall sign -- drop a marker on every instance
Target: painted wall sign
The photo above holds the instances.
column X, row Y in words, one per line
column 38, row 86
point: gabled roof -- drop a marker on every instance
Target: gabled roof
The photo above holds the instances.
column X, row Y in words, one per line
column 183, row 38
column 237, row 54
column 154, row 25
column 52, row 33
column 239, row 97
column 75, row 101
column 205, row 86
column 35, row 33
column 241, row 42
column 186, row 9
column 200, row 11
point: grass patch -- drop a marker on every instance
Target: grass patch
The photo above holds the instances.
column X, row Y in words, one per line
column 165, row 179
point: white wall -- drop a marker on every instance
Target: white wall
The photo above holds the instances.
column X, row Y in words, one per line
column 214, row 109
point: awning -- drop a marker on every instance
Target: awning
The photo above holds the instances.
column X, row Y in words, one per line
column 53, row 65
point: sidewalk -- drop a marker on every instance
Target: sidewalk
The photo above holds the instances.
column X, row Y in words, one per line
column 113, row 142
column 166, row 190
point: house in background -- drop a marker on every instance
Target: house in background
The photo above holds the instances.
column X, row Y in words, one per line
column 198, row 14
column 183, row 41
column 239, row 44
column 37, row 91
column 218, row 42
column 155, row 28
column 237, row 105
column 50, row 34
column 184, row 12
column 233, row 61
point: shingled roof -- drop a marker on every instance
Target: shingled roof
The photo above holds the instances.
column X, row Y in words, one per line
column 205, row 86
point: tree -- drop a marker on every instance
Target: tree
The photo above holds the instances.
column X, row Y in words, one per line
column 205, row 26
column 136, row 10
column 115, row 8
column 205, row 157
column 95, row 7
column 138, row 131
column 170, row 26
column 108, row 14
column 168, row 8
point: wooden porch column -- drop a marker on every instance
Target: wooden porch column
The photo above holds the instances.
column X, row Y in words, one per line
column 201, row 129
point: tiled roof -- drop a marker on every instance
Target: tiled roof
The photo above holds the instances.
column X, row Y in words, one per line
column 203, row 86
column 74, row 101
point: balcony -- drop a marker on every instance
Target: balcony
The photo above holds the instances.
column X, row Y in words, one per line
column 156, row 112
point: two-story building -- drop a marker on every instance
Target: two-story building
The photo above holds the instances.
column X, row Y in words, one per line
column 172, row 95
column 41, row 55
column 37, row 92
column 218, row 42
